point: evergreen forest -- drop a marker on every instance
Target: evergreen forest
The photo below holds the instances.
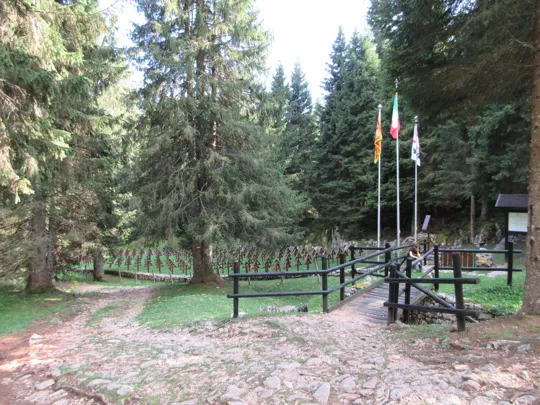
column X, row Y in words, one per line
column 206, row 154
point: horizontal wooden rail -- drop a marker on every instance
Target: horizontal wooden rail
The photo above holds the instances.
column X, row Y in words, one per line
column 278, row 294
column 365, row 248
column 478, row 251
column 432, row 280
column 465, row 312
column 277, row 274
column 481, row 269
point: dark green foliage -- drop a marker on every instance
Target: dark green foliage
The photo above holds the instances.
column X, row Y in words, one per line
column 56, row 142
column 464, row 68
column 277, row 101
column 456, row 55
column 344, row 174
column 297, row 140
column 207, row 169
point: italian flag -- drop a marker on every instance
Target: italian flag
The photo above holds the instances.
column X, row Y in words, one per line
column 395, row 125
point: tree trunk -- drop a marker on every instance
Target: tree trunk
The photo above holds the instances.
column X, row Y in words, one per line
column 99, row 268
column 473, row 217
column 202, row 265
column 40, row 265
column 531, row 299
column 484, row 211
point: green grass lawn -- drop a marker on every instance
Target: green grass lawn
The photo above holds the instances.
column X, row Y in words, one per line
column 19, row 310
column 492, row 293
column 180, row 305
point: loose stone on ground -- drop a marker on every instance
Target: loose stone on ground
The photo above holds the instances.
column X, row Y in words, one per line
column 312, row 358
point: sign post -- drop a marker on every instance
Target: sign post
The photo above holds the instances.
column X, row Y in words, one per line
column 425, row 228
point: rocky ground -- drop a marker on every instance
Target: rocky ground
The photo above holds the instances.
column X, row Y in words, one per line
column 95, row 356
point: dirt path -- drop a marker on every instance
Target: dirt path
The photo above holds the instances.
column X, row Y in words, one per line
column 101, row 355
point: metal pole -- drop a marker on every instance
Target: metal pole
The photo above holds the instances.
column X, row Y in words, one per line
column 397, row 181
column 415, row 188
column 397, row 193
column 379, row 194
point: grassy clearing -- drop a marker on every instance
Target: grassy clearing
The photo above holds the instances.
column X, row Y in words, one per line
column 19, row 310
column 180, row 305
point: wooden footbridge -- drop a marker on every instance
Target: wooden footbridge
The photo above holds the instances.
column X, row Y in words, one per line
column 396, row 292
column 369, row 303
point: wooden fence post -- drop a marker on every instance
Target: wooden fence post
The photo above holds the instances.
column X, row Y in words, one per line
column 426, row 246
column 436, row 263
column 353, row 270
column 392, row 312
column 342, row 276
column 458, row 288
column 324, row 263
column 387, row 258
column 510, row 263
column 236, row 270
column 408, row 272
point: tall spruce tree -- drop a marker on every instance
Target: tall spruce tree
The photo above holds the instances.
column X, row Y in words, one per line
column 280, row 94
column 297, row 140
column 52, row 74
column 345, row 167
column 208, row 173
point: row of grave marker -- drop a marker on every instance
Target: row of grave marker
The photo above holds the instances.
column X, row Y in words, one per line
column 251, row 260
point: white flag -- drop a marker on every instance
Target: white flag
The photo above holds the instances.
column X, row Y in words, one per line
column 415, row 151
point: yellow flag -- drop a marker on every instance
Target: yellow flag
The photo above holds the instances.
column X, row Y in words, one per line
column 378, row 139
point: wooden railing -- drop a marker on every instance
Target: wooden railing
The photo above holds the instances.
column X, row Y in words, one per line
column 396, row 278
column 324, row 272
column 440, row 256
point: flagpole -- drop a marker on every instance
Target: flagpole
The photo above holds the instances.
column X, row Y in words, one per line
column 415, row 189
column 379, row 197
column 397, row 184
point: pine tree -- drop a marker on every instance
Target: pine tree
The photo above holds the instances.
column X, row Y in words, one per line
column 208, row 173
column 280, row 94
column 296, row 143
column 344, row 168
column 53, row 71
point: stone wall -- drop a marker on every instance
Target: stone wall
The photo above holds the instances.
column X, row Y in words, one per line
column 422, row 318
column 158, row 277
